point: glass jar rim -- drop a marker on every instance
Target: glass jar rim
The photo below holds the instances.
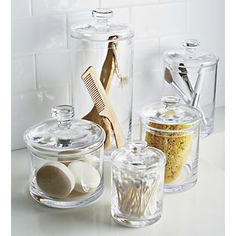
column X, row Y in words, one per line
column 169, row 111
column 102, row 28
column 129, row 165
column 66, row 151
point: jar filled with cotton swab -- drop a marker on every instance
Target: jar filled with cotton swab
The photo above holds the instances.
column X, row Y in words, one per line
column 137, row 184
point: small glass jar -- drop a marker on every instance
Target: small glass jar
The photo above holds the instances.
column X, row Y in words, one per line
column 191, row 74
column 137, row 184
column 174, row 128
column 107, row 47
column 66, row 160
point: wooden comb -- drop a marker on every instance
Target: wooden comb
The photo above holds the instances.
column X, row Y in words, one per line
column 106, row 77
column 102, row 103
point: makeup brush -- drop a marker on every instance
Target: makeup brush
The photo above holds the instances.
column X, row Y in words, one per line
column 183, row 73
column 169, row 79
column 196, row 94
column 197, row 88
column 194, row 102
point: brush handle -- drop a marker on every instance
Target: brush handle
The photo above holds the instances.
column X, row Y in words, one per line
column 188, row 83
column 103, row 105
column 197, row 88
column 196, row 95
column 180, row 91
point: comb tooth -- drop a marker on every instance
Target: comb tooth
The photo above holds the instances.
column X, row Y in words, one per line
column 93, row 91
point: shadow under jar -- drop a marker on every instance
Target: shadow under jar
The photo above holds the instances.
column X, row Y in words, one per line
column 66, row 157
column 108, row 48
column 174, row 128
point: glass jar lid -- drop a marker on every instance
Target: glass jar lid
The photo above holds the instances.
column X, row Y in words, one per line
column 170, row 112
column 138, row 156
column 101, row 28
column 191, row 56
column 64, row 133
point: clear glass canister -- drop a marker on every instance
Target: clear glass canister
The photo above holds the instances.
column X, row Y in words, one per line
column 108, row 48
column 137, row 184
column 174, row 128
column 66, row 157
column 192, row 74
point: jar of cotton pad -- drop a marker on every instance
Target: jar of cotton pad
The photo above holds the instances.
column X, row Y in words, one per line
column 66, row 156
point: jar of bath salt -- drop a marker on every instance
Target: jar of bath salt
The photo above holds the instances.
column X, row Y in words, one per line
column 66, row 157
column 174, row 128
column 137, row 184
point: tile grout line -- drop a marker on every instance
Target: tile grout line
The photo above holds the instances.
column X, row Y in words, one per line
column 142, row 4
column 35, row 71
column 67, row 32
column 130, row 15
column 99, row 3
column 186, row 17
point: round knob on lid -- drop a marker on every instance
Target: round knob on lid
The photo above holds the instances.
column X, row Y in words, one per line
column 137, row 146
column 64, row 114
column 191, row 45
column 170, row 100
column 102, row 14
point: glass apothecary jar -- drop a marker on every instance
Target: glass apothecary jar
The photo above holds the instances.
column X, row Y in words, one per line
column 108, row 48
column 191, row 74
column 66, row 157
column 174, row 128
column 137, row 184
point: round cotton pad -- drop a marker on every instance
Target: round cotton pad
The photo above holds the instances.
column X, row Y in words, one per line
column 55, row 179
column 86, row 176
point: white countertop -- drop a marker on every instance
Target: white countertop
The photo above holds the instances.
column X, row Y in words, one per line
column 199, row 211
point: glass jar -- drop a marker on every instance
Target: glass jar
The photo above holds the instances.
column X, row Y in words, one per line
column 192, row 75
column 174, row 128
column 108, row 48
column 137, row 184
column 66, row 160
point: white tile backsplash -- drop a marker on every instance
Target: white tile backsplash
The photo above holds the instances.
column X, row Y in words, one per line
column 53, row 68
column 20, row 8
column 157, row 20
column 32, row 34
column 148, row 88
column 109, row 3
column 209, row 30
column 145, row 20
column 32, row 107
column 52, row 6
column 22, row 74
column 168, row 43
column 41, row 64
column 172, row 18
column 120, row 15
column 146, row 50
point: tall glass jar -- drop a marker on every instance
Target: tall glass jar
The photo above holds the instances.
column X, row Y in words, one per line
column 66, row 160
column 108, row 48
column 174, row 128
column 191, row 74
column 137, row 184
